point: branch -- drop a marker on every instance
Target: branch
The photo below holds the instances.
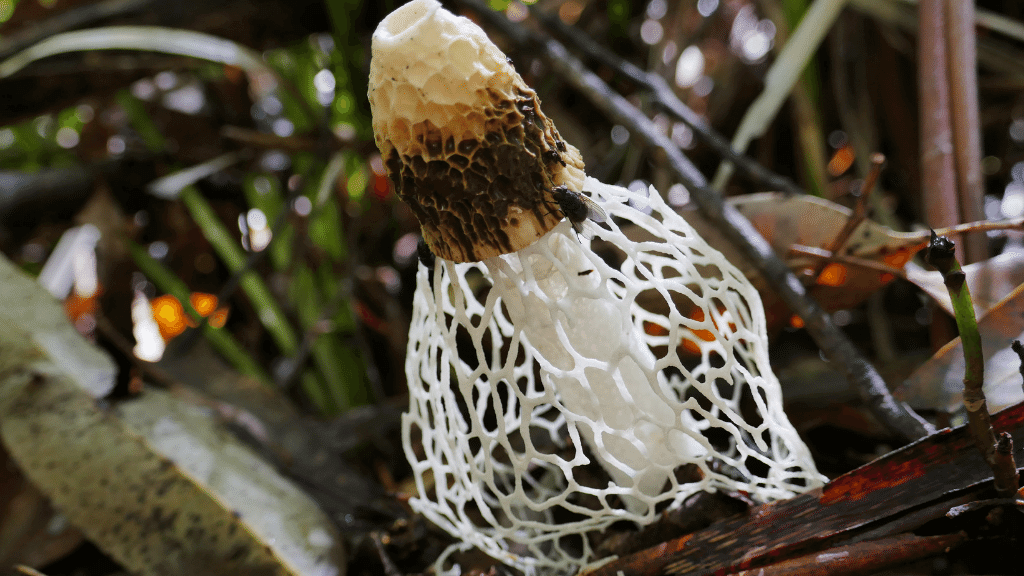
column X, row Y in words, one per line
column 666, row 98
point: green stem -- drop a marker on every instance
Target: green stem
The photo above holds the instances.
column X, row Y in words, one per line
column 942, row 255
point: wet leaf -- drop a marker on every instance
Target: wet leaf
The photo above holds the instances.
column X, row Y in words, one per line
column 31, row 531
column 938, row 384
column 42, row 322
column 990, row 281
column 153, row 481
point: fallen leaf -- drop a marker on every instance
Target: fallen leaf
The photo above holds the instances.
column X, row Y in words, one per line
column 938, row 384
column 31, row 531
column 871, row 258
column 41, row 320
column 152, row 481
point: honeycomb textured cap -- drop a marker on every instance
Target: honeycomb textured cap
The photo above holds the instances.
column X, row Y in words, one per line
column 463, row 137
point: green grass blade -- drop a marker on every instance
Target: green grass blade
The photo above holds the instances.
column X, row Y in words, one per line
column 227, row 247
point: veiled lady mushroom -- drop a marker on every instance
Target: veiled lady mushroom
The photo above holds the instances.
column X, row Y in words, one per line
column 531, row 358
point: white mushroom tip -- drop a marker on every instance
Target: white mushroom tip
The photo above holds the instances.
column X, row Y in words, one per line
column 446, row 58
column 405, row 20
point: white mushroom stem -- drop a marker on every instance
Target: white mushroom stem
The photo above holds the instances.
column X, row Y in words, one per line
column 611, row 381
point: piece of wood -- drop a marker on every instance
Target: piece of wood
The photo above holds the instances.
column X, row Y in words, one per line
column 921, row 473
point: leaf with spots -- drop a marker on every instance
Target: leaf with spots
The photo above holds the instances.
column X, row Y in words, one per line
column 153, row 481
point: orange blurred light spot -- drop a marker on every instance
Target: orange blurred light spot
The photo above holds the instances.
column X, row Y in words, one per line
column 381, row 186
column 841, row 161
column 569, row 12
column 172, row 320
column 833, row 275
column 796, row 321
column 203, row 303
column 885, row 277
column 233, row 74
column 369, row 318
column 169, row 315
column 75, row 306
column 898, row 258
column 219, row 318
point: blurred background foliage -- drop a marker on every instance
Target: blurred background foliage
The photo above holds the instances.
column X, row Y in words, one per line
column 266, row 198
column 249, row 210
column 269, row 197
column 267, row 234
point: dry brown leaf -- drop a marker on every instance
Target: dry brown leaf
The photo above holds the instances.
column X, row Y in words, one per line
column 874, row 254
column 938, row 384
column 786, row 221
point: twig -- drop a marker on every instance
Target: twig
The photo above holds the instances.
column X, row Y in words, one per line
column 1007, row 479
column 982, row 226
column 850, row 260
column 938, row 179
column 977, row 505
column 291, row 144
column 963, row 90
column 663, row 96
column 998, row 454
column 899, row 418
column 860, row 212
column 899, row 492
column 390, row 569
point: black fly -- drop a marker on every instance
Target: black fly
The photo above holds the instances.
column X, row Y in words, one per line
column 577, row 208
column 425, row 255
column 428, row 260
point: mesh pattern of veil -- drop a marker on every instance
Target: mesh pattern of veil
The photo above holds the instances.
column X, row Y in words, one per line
column 578, row 382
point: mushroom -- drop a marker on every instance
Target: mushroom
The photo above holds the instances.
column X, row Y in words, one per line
column 555, row 391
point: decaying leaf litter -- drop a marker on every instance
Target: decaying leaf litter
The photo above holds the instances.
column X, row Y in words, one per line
column 342, row 267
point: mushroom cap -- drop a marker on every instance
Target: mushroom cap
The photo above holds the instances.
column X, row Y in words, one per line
column 463, row 137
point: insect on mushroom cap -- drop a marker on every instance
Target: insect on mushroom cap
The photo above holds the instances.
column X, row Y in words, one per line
column 577, row 208
column 462, row 136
